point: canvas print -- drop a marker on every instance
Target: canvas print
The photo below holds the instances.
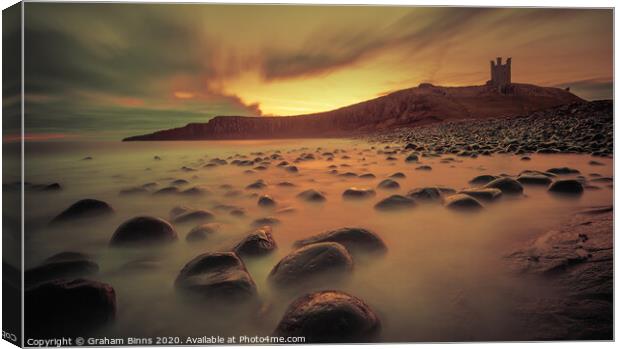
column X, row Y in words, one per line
column 282, row 174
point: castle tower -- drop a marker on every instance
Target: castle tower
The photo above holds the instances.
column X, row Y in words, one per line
column 500, row 74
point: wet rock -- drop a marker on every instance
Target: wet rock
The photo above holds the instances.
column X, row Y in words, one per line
column 329, row 317
column 86, row 208
column 286, row 184
column 216, row 276
column 566, row 187
column 563, row 170
column 508, row 186
column 427, row 194
column 489, row 194
column 534, row 179
column 312, row 195
column 179, row 182
column 525, row 158
column 200, row 232
column 398, row 175
column 68, row 308
column 595, row 163
column 462, row 202
column 196, row 191
column 143, row 230
column 423, row 168
column 388, row 184
column 368, row 176
column 266, row 201
column 482, row 179
column 292, row 169
column 394, row 203
column 306, row 263
column 63, row 265
column 353, row 239
column 270, row 221
column 358, row 193
column 257, row 243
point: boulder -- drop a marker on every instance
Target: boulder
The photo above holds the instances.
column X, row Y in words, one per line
column 482, row 179
column 507, row 185
column 68, row 308
column 271, row 221
column 462, row 202
column 216, row 276
column 329, row 317
column 306, row 263
column 192, row 216
column 358, row 193
column 395, row 202
column 388, row 184
column 566, row 187
column 534, row 179
column 200, row 232
column 563, row 170
column 257, row 243
column 354, row 239
column 86, row 208
column 482, row 194
column 167, row 191
column 427, row 194
column 311, row 195
column 143, row 230
column 266, row 201
column 64, row 265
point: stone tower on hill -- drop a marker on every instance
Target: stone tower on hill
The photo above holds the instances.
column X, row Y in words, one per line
column 500, row 74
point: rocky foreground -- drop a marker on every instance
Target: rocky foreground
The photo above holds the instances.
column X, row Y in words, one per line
column 585, row 127
column 425, row 104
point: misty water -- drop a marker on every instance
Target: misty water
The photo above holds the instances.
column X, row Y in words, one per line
column 443, row 277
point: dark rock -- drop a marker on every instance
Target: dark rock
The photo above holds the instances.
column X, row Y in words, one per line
column 286, row 184
column 482, row 179
column 388, row 184
column 489, row 194
column 534, row 179
column 68, row 308
column 395, row 202
column 462, row 202
column 353, row 239
column 200, row 232
column 563, row 170
column 259, row 184
column 143, row 230
column 216, row 276
column 508, row 186
column 428, row 194
column 179, row 182
column 595, row 163
column 196, row 191
column 305, row 264
column 329, row 317
column 412, row 158
column 86, row 208
column 133, row 191
column 167, row 191
column 398, row 175
column 192, row 216
column 63, row 265
column 358, row 193
column 566, row 187
column 266, row 201
column 292, row 169
column 257, row 243
column 368, row 176
column 311, row 195
column 423, row 168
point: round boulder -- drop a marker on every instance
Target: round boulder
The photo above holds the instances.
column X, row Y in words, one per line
column 85, row 208
column 507, row 185
column 534, row 179
column 143, row 230
column 482, row 179
column 200, row 232
column 308, row 262
column 462, row 202
column 311, row 195
column 68, row 308
column 329, row 317
column 566, row 187
column 388, row 184
column 358, row 193
column 266, row 201
column 488, row 194
column 216, row 276
column 257, row 243
column 394, row 203
column 428, row 194
column 354, row 239
column 61, row 266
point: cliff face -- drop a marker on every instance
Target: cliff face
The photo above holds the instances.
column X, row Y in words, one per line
column 420, row 105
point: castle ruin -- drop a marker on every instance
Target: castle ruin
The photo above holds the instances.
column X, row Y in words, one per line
column 500, row 74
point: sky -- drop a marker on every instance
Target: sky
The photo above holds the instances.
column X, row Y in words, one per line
column 114, row 70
